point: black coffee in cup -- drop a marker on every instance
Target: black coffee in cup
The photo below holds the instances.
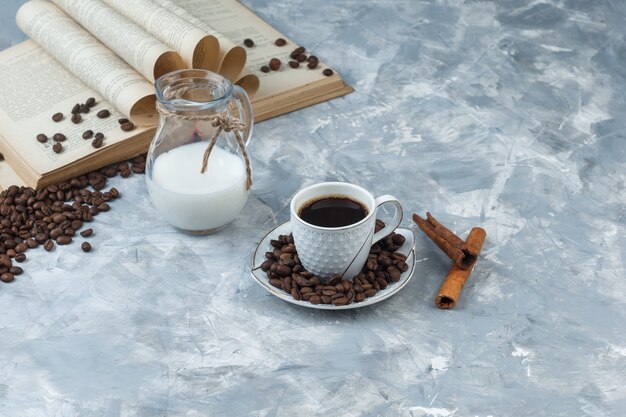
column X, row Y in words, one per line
column 332, row 211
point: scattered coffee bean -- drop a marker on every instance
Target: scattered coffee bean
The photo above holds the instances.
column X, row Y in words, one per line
column 49, row 245
column 99, row 135
column 312, row 63
column 64, row 240
column 301, row 58
column 57, row 117
column 84, row 108
column 280, row 42
column 97, row 142
column 312, row 58
column 103, row 114
column 75, row 109
column 59, row 137
column 122, row 120
column 20, row 257
column 90, row 102
column 16, row 270
column 87, row 134
column 76, row 118
column 86, row 232
column 274, row 64
column 42, row 138
column 127, row 127
column 297, row 51
column 265, row 68
column 86, row 246
column 294, row 64
column 7, row 277
column 5, row 261
column 57, row 147
column 328, row 72
column 248, row 42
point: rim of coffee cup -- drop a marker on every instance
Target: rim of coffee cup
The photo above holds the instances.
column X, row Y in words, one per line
column 371, row 204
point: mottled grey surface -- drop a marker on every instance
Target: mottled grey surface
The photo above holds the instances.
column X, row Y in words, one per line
column 504, row 114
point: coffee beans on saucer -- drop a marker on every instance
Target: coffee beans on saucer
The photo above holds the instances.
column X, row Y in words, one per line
column 384, row 266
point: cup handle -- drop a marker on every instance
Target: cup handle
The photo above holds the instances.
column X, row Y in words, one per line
column 395, row 222
column 245, row 111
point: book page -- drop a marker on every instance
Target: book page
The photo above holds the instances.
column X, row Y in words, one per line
column 8, row 176
column 142, row 51
column 232, row 55
column 198, row 49
column 34, row 86
column 237, row 23
column 93, row 63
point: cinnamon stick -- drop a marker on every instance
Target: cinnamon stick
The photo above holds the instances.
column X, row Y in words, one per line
column 454, row 282
column 451, row 244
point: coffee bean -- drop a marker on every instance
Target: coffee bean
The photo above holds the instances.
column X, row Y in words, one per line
column 280, row 42
column 274, row 64
column 296, row 294
column 42, row 138
column 7, row 277
column 103, row 114
column 315, row 299
column 86, row 246
column 265, row 266
column 31, row 243
column 294, row 64
column 301, row 58
column 48, row 245
column 312, row 58
column 57, row 147
column 5, row 261
column 394, row 273
column 21, row 247
column 97, row 142
column 90, row 102
column 312, row 64
column 360, row 297
column 299, row 50
column 84, row 108
column 59, row 137
column 99, row 135
column 248, row 42
column 20, row 257
column 16, row 270
column 87, row 134
column 265, row 68
column 371, row 292
column 75, row 109
column 122, row 120
column 76, row 118
column 127, row 127
column 64, row 240
column 276, row 282
column 341, row 301
column 57, row 117
column 328, row 72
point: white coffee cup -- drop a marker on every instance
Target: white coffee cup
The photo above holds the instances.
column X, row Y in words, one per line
column 328, row 251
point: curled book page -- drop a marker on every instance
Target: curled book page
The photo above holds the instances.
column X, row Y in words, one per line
column 198, row 48
column 232, row 59
column 92, row 62
column 142, row 51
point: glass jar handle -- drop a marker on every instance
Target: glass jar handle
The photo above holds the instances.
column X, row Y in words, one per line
column 245, row 111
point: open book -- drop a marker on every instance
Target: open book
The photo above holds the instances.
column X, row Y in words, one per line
column 113, row 50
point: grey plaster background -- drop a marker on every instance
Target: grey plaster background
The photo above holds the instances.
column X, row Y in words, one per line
column 504, row 114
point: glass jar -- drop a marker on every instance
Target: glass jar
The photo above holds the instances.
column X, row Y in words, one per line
column 201, row 114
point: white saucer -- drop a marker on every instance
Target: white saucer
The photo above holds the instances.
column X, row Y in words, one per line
column 408, row 249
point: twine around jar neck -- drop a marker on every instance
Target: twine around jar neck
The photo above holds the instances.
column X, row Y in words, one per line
column 222, row 122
